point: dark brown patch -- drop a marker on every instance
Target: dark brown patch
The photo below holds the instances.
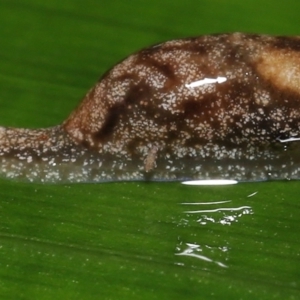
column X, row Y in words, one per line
column 138, row 92
column 175, row 125
column 85, row 144
column 235, row 55
column 192, row 107
column 132, row 146
column 112, row 119
column 164, row 68
column 285, row 42
column 195, row 108
column 195, row 140
column 197, row 46
column 134, row 95
column 153, row 113
column 172, row 135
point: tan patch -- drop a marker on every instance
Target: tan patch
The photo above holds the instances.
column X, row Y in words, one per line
column 150, row 160
column 281, row 68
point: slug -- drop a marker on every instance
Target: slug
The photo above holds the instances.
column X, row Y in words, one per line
column 223, row 106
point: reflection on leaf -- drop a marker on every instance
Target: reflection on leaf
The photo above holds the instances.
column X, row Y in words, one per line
column 215, row 212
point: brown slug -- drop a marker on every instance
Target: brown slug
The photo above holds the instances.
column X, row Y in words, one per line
column 223, row 106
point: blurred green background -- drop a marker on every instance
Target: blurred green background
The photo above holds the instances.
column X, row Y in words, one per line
column 133, row 240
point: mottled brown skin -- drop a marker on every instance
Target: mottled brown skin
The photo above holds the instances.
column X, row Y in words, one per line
column 146, row 118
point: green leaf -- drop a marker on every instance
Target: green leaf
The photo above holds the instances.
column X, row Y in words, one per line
column 132, row 240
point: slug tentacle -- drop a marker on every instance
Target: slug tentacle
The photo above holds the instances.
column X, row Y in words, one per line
column 216, row 106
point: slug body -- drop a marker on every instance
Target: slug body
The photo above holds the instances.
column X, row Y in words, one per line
column 219, row 106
